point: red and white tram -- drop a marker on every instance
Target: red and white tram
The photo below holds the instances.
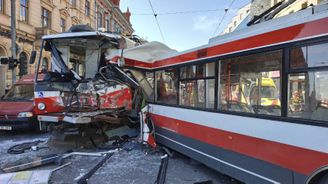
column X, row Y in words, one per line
column 251, row 104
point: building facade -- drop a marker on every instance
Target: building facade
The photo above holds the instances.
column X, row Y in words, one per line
column 110, row 17
column 257, row 7
column 35, row 18
column 236, row 20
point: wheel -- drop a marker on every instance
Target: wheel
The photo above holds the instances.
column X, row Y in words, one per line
column 324, row 179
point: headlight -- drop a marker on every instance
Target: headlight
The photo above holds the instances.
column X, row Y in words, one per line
column 41, row 106
column 25, row 115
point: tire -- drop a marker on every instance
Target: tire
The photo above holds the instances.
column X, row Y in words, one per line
column 324, row 179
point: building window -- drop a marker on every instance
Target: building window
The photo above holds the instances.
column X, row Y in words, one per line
column 62, row 25
column 100, row 20
column 23, row 10
column 108, row 23
column 87, row 8
column 308, row 88
column 46, row 18
column 73, row 3
column 197, row 84
column 251, row 83
column 166, row 86
column 2, row 6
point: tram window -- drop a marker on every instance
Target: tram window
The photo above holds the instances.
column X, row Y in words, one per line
column 166, row 86
column 197, row 85
column 298, row 57
column 251, row 83
column 210, row 99
column 210, row 69
column 308, row 95
column 201, row 70
column 309, row 56
column 187, row 93
column 188, row 72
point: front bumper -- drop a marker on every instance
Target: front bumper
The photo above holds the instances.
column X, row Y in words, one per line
column 18, row 124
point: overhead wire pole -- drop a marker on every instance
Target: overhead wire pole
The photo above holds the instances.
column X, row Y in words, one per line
column 155, row 15
column 13, row 37
column 225, row 13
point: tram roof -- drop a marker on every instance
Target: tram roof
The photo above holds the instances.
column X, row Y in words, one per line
column 146, row 56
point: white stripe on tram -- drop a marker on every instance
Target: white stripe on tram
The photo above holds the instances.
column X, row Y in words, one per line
column 300, row 135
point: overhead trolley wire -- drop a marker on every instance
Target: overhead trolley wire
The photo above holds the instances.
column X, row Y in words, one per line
column 225, row 13
column 155, row 15
column 181, row 12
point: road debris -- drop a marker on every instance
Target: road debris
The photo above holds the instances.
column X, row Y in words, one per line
column 60, row 167
column 84, row 178
column 162, row 170
column 20, row 148
column 39, row 161
column 26, row 177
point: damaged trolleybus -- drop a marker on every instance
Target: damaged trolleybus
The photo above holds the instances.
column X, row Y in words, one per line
column 82, row 87
column 252, row 104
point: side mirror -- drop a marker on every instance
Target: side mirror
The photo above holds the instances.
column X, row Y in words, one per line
column 33, row 56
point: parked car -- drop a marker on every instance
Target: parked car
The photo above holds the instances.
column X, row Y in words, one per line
column 17, row 106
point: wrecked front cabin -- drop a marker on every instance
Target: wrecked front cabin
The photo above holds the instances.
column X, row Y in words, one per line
column 82, row 85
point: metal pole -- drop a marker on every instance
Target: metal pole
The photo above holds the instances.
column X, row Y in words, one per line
column 13, row 36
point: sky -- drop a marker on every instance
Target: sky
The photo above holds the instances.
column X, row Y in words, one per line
column 181, row 31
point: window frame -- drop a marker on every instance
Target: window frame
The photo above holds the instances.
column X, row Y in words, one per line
column 196, row 78
column 26, row 8
column 73, row 3
column 176, row 87
column 99, row 19
column 308, row 69
column 285, row 71
column 62, row 24
column 46, row 15
column 87, row 8
column 2, row 6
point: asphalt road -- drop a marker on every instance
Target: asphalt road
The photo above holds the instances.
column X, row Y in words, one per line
column 139, row 165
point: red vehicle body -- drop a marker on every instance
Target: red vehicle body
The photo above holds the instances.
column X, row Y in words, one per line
column 81, row 87
column 17, row 107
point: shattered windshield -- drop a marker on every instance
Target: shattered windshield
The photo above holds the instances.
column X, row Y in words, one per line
column 81, row 55
column 20, row 92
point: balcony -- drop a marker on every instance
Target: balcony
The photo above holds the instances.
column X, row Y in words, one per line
column 41, row 31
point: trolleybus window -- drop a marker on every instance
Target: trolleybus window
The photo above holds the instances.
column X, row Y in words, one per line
column 197, row 85
column 251, row 83
column 308, row 89
column 166, row 86
column 309, row 56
